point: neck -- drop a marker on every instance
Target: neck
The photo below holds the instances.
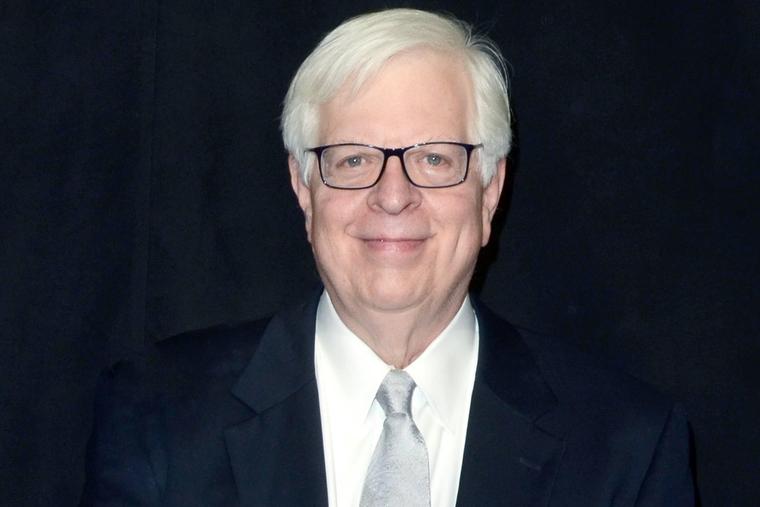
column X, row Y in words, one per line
column 399, row 337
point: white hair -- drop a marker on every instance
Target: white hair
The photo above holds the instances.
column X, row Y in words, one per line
column 359, row 47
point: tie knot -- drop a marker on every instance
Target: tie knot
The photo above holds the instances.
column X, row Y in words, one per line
column 395, row 393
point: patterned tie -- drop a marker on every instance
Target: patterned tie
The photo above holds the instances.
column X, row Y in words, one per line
column 398, row 474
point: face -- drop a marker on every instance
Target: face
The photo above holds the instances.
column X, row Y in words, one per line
column 395, row 247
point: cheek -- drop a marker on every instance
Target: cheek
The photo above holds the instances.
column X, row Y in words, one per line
column 463, row 221
column 327, row 223
column 478, row 229
column 307, row 217
column 486, row 228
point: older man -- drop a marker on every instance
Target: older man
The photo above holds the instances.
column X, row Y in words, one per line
column 391, row 387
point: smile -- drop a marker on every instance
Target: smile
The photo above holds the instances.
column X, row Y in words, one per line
column 394, row 245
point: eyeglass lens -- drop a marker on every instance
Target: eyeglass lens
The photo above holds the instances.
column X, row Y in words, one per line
column 427, row 165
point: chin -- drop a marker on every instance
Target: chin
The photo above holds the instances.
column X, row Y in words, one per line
column 392, row 297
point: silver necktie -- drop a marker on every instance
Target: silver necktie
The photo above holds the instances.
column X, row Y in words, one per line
column 398, row 474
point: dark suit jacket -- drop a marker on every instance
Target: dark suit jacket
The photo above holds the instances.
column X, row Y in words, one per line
column 230, row 416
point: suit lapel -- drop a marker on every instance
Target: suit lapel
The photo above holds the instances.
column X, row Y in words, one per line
column 277, row 456
column 508, row 459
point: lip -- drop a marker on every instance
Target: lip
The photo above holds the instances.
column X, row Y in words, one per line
column 393, row 245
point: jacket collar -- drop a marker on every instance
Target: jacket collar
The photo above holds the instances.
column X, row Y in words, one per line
column 508, row 367
column 508, row 456
column 277, row 455
column 284, row 360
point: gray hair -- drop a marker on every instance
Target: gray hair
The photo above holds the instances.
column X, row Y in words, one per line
column 359, row 47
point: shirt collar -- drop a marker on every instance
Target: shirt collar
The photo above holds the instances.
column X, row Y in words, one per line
column 443, row 372
column 347, row 365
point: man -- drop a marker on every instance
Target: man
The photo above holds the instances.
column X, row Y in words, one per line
column 392, row 386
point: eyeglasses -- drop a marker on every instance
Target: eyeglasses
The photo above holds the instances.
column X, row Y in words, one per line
column 426, row 165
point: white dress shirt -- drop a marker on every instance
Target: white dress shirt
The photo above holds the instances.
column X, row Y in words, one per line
column 348, row 376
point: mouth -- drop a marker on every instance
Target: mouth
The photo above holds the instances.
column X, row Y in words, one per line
column 394, row 245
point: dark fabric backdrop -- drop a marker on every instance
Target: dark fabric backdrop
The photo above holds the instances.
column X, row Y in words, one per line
column 144, row 192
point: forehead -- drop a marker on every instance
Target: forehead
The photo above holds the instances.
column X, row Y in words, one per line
column 416, row 96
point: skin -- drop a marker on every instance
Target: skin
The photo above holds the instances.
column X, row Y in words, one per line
column 395, row 259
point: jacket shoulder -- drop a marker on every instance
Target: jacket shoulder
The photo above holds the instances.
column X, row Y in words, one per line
column 210, row 358
column 572, row 375
column 616, row 423
column 169, row 405
column 577, row 376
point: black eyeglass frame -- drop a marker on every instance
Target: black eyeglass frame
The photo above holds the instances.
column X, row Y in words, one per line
column 391, row 152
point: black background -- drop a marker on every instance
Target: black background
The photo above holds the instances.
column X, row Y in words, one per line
column 144, row 192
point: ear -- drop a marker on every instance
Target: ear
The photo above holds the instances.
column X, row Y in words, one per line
column 303, row 193
column 491, row 195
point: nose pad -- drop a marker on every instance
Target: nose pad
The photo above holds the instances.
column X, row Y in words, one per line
column 394, row 192
column 394, row 176
column 394, row 165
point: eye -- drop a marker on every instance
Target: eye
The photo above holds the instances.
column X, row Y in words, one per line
column 356, row 160
column 353, row 161
column 434, row 159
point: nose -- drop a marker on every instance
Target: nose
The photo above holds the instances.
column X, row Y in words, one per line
column 394, row 193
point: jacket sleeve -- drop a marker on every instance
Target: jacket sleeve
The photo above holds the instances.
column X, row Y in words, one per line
column 669, row 479
column 122, row 455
